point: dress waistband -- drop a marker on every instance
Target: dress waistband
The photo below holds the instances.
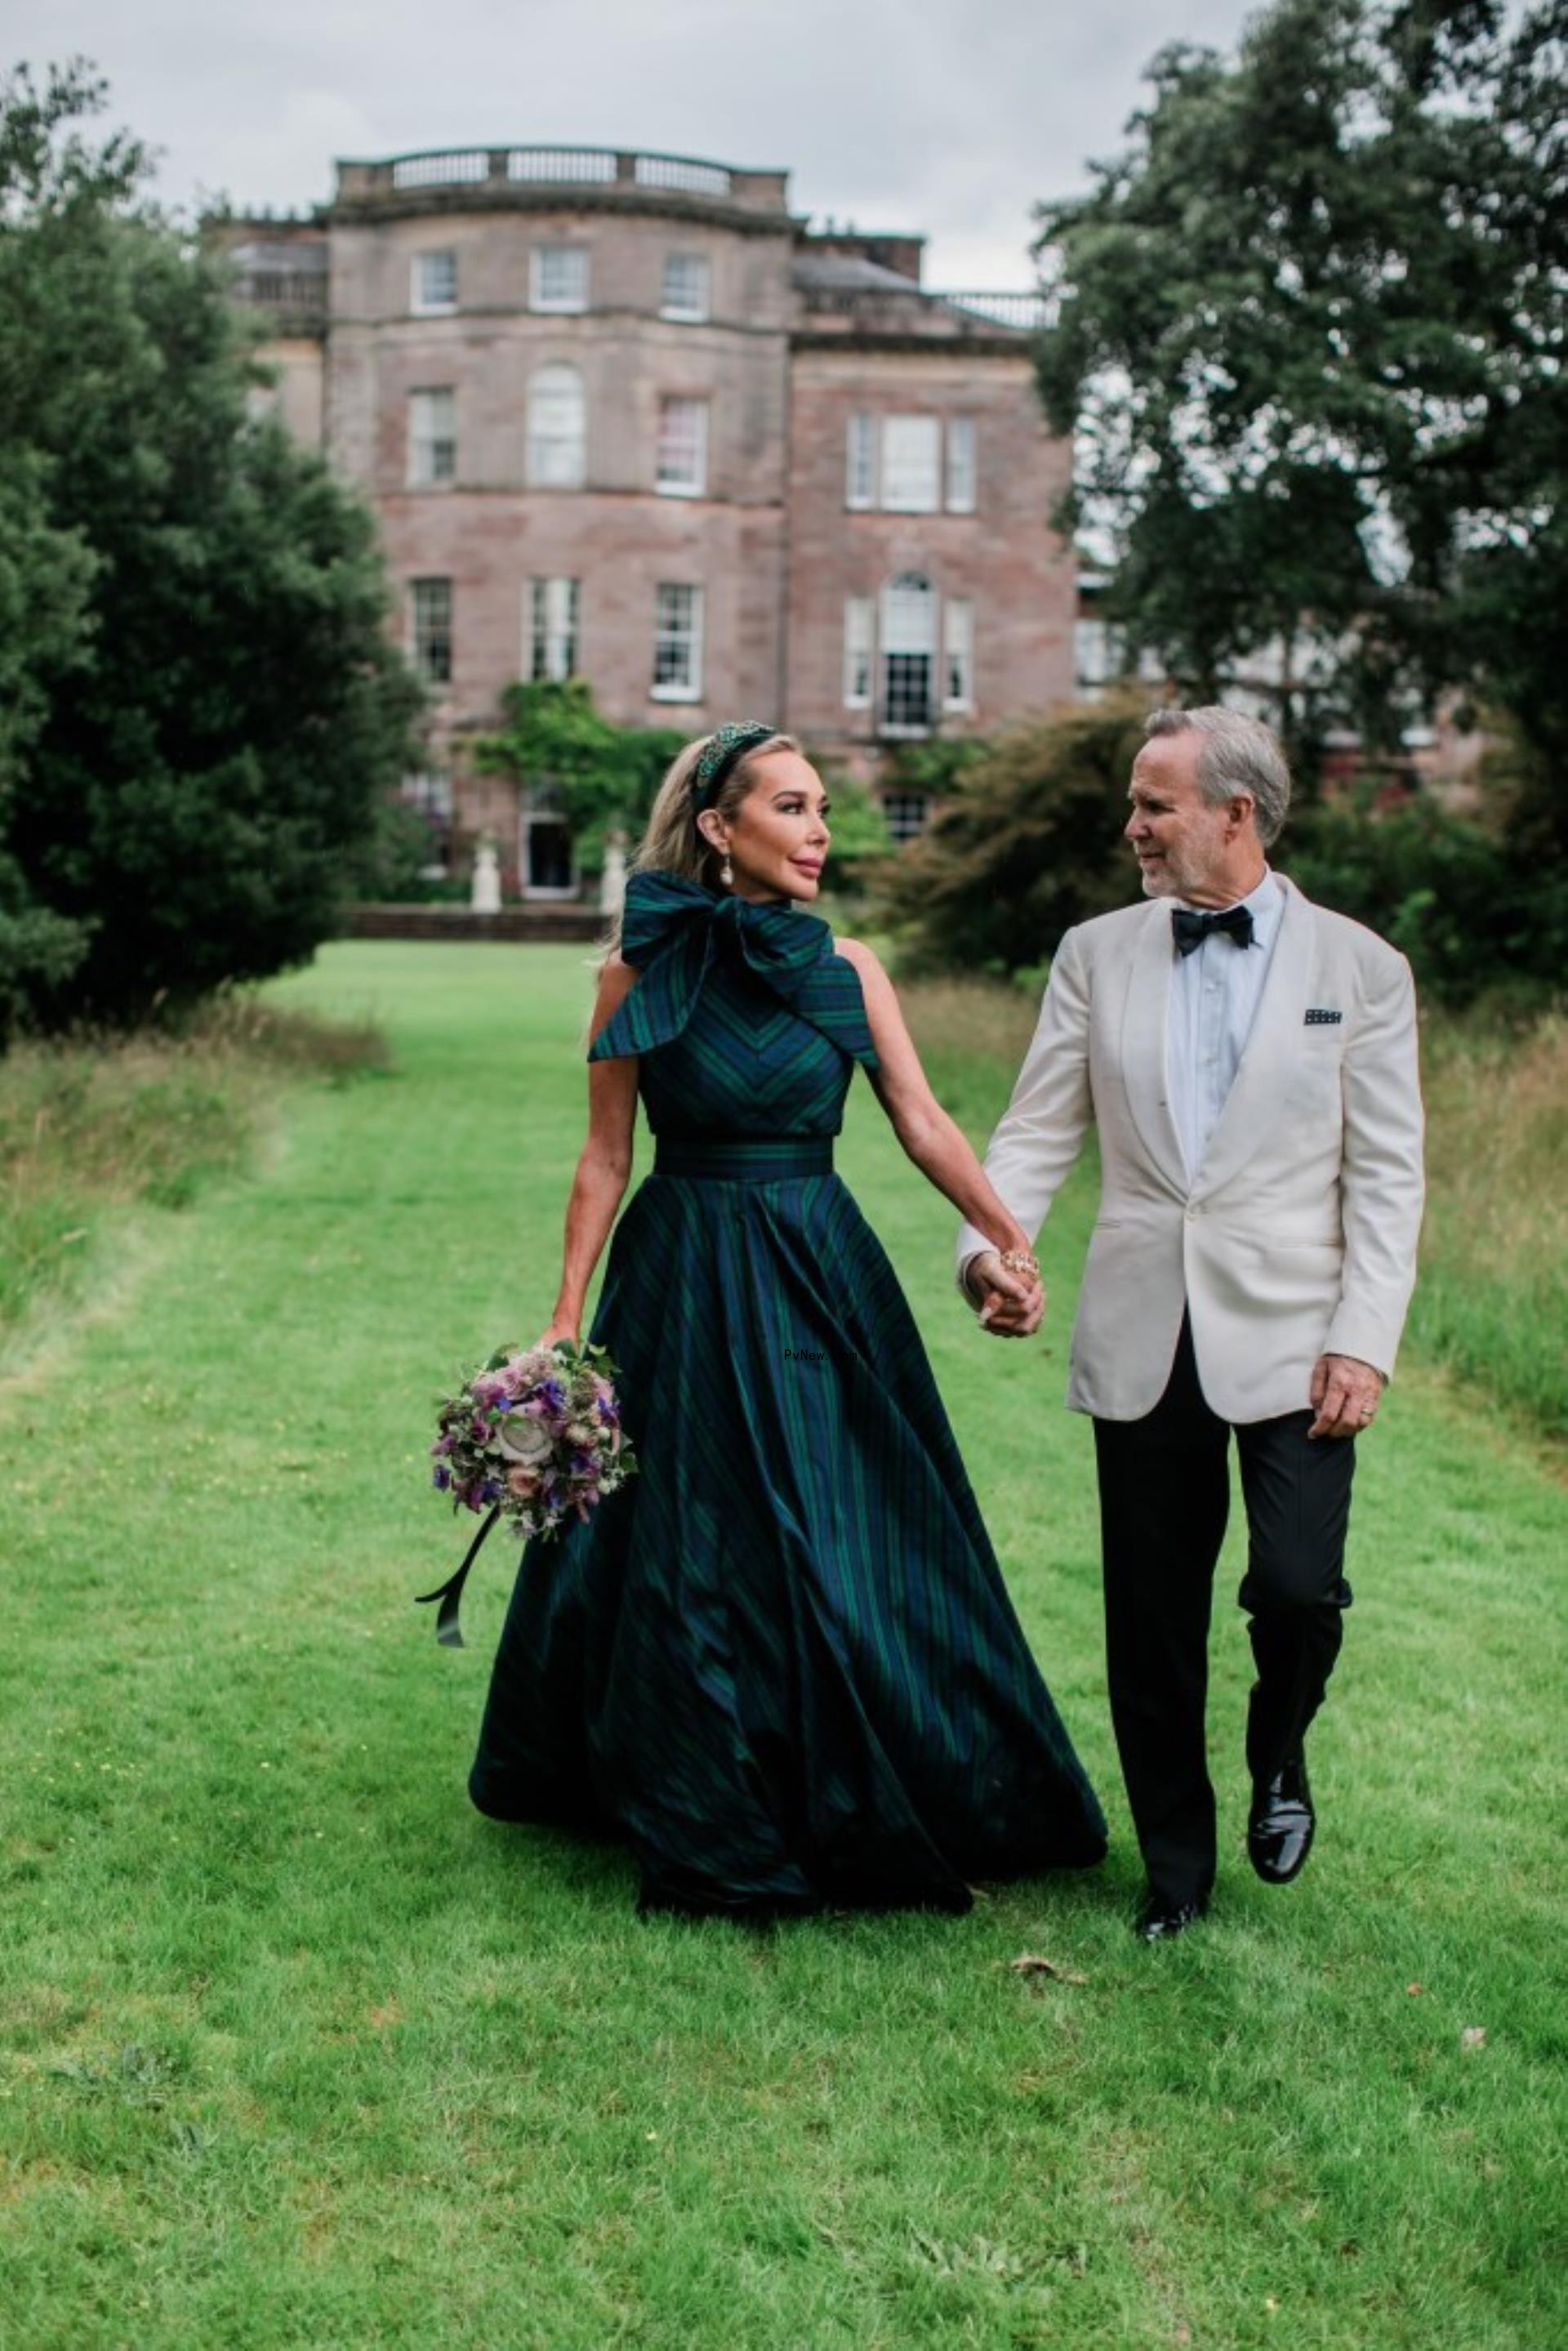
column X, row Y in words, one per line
column 746, row 1159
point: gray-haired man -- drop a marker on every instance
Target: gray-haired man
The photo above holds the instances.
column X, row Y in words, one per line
column 1250, row 1059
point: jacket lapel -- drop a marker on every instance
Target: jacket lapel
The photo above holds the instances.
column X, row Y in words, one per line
column 1270, row 1059
column 1144, row 1066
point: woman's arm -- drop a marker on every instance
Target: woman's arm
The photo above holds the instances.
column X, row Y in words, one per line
column 604, row 1166
column 938, row 1148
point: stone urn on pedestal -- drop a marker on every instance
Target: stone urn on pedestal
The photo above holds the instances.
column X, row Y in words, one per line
column 484, row 894
column 612, row 880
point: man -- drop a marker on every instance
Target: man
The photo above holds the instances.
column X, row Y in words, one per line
column 1250, row 1063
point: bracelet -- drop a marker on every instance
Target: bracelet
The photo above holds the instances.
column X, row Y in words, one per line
column 1020, row 1261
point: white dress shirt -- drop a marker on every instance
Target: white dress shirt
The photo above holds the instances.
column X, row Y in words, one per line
column 1214, row 995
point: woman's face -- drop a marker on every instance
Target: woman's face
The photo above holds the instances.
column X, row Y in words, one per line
column 777, row 838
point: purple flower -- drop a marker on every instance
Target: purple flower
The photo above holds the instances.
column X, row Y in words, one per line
column 441, row 1477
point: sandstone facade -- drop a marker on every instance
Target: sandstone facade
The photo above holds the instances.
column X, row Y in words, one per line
column 626, row 415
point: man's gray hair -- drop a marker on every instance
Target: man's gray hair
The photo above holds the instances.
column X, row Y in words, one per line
column 1239, row 755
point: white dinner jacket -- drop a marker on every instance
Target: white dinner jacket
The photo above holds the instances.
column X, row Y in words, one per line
column 1296, row 1237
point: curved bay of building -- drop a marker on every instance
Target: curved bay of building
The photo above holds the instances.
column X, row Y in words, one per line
column 627, row 418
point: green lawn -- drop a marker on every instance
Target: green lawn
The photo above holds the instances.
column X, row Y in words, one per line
column 295, row 2049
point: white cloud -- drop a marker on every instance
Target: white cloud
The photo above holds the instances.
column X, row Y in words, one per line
column 953, row 117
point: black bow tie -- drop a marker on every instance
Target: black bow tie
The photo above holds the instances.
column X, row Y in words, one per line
column 1190, row 930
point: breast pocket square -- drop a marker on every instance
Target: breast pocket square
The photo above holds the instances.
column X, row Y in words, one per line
column 1320, row 1017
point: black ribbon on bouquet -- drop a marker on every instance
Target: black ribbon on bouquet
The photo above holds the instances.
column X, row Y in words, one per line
column 448, row 1632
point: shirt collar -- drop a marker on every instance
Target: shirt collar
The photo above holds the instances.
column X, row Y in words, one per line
column 1263, row 904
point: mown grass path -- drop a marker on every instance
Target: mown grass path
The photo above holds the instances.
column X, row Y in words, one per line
column 295, row 2049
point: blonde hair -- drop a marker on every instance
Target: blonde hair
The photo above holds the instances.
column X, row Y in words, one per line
column 672, row 843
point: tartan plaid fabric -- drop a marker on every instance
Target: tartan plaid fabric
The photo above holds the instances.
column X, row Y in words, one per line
column 782, row 1662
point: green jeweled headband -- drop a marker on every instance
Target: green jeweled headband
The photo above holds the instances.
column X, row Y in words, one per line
column 725, row 748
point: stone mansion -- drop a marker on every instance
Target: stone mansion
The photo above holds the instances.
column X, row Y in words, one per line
column 626, row 417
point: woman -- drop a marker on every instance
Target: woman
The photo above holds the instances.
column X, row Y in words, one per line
column 781, row 1661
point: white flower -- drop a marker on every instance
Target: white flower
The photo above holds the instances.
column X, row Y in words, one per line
column 525, row 1441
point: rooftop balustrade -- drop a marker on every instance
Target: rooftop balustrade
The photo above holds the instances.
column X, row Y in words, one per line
column 614, row 170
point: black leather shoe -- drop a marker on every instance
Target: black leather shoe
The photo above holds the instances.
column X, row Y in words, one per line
column 1161, row 1920
column 1282, row 1825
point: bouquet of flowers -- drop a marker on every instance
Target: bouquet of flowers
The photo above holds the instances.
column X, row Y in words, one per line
column 537, row 1433
column 534, row 1437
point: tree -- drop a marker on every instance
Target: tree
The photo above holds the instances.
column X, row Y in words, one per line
column 1310, row 328
column 1028, row 843
column 203, row 703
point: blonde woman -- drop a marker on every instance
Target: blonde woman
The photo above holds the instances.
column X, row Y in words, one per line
column 781, row 1662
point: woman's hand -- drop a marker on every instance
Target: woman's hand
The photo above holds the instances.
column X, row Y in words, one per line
column 559, row 1330
column 1011, row 1305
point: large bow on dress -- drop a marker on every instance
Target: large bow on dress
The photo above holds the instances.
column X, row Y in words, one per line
column 671, row 930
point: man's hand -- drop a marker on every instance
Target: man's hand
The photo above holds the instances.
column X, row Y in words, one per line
column 1344, row 1395
column 1011, row 1305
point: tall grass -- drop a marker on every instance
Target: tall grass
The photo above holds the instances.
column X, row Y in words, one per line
column 96, row 1123
column 1492, row 1299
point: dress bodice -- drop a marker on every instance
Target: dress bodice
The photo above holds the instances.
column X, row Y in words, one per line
column 743, row 1019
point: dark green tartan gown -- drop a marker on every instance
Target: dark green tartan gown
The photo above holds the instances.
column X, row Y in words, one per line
column 781, row 1661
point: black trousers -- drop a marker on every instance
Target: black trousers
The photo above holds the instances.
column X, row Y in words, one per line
column 1165, row 1499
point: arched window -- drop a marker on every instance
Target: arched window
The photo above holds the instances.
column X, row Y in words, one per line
column 908, row 653
column 557, row 429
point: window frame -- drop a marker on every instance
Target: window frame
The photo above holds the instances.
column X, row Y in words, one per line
column 900, row 828
column 539, row 257
column 419, row 305
column 913, row 585
column 426, row 472
column 860, row 648
column 931, row 425
column 959, row 471
column 419, row 646
column 690, row 688
column 534, row 476
column 685, row 313
column 548, row 628
column 674, row 486
column 860, row 463
column 957, row 645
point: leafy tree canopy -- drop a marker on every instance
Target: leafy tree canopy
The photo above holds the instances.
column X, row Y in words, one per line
column 1027, row 843
column 1310, row 329
column 202, row 704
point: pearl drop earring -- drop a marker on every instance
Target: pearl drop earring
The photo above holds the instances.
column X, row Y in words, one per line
column 727, row 873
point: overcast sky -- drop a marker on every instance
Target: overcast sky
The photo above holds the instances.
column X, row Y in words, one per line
column 946, row 116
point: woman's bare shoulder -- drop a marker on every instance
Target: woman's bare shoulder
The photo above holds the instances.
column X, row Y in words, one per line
column 855, row 951
column 615, row 975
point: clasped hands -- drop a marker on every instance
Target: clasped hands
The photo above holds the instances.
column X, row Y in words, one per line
column 1345, row 1392
column 1011, row 1305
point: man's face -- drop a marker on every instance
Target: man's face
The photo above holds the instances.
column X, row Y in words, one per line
column 1182, row 843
